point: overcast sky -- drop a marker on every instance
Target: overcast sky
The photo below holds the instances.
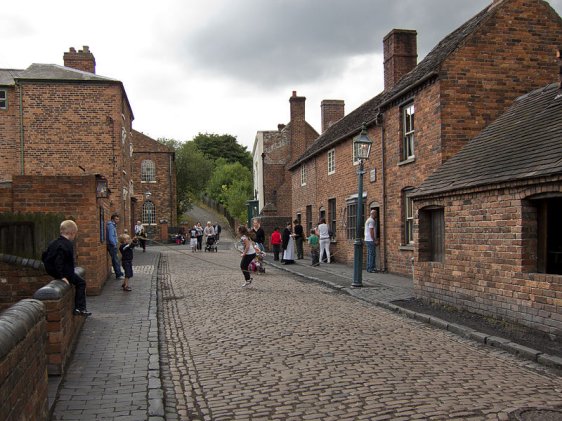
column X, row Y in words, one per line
column 227, row 66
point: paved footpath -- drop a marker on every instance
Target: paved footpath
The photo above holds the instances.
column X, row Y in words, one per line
column 288, row 349
column 114, row 373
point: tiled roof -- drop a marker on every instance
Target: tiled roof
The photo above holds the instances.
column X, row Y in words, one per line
column 7, row 76
column 425, row 70
column 524, row 142
column 56, row 72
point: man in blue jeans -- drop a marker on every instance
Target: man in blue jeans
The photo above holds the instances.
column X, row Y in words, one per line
column 371, row 241
column 112, row 245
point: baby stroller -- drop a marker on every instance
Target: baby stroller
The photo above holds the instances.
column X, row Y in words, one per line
column 258, row 265
column 211, row 244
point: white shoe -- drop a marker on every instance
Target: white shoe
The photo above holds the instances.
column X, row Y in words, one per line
column 248, row 282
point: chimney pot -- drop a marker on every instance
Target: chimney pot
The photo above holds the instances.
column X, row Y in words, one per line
column 332, row 110
column 82, row 60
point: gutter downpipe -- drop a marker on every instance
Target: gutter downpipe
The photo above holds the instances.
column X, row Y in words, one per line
column 22, row 161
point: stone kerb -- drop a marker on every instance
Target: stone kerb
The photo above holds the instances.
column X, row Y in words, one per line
column 23, row 373
column 62, row 327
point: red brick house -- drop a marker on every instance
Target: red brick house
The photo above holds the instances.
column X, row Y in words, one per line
column 68, row 124
column 461, row 86
column 488, row 226
column 272, row 153
column 154, row 185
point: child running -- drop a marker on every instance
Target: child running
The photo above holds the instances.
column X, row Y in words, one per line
column 248, row 254
column 126, row 248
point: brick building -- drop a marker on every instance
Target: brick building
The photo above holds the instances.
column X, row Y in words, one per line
column 154, row 185
column 461, row 86
column 272, row 153
column 487, row 224
column 68, row 123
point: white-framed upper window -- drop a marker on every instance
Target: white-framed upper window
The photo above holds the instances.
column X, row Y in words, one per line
column 331, row 161
column 408, row 131
column 303, row 175
column 3, row 99
column 148, row 171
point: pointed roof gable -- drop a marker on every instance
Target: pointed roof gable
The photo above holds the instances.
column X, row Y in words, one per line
column 425, row 71
column 525, row 142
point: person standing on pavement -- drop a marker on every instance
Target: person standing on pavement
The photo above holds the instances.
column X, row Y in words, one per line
column 199, row 230
column 218, row 230
column 314, row 245
column 276, row 242
column 299, row 238
column 141, row 235
column 324, row 235
column 288, row 245
column 59, row 263
column 126, row 248
column 371, row 241
column 112, row 247
column 258, row 234
column 248, row 254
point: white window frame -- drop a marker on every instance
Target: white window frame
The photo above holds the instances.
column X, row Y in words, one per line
column 148, row 171
column 408, row 132
column 148, row 213
column 3, row 99
column 408, row 218
column 331, row 161
column 303, row 175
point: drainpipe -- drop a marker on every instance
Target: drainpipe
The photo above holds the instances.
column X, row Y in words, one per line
column 384, row 268
column 22, row 162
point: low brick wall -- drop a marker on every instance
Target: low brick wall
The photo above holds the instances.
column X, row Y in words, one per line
column 19, row 279
column 62, row 326
column 23, row 371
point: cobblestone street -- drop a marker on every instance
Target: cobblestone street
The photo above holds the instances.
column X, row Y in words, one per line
column 287, row 349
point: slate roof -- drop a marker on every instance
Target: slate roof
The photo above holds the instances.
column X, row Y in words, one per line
column 427, row 69
column 56, row 72
column 7, row 76
column 525, row 142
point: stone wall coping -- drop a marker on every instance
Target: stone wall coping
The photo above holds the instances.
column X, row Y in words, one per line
column 17, row 321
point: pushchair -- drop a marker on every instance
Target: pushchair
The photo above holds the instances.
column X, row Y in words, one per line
column 211, row 244
column 258, row 264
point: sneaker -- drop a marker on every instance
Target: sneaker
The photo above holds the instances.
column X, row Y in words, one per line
column 82, row 312
column 248, row 282
column 120, row 278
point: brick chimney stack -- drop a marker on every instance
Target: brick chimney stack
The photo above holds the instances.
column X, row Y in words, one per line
column 332, row 110
column 400, row 55
column 298, row 125
column 82, row 60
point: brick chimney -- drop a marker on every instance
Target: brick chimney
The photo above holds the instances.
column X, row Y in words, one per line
column 298, row 125
column 400, row 55
column 82, row 60
column 332, row 110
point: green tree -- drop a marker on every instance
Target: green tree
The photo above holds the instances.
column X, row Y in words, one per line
column 225, row 146
column 231, row 185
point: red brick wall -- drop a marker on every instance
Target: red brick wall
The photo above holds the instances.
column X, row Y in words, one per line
column 23, row 372
column 490, row 259
column 19, row 283
column 514, row 54
column 276, row 180
column 75, row 197
column 73, row 129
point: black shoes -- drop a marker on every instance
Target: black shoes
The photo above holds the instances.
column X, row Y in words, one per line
column 83, row 312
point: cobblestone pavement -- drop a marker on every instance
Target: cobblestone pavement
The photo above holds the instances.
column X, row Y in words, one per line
column 287, row 349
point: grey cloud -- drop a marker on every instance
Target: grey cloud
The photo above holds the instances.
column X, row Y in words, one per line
column 278, row 42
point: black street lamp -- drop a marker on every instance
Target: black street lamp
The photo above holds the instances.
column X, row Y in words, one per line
column 361, row 149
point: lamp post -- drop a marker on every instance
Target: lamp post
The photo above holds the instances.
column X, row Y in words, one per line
column 361, row 148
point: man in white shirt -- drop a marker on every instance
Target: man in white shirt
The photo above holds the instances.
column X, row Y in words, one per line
column 371, row 241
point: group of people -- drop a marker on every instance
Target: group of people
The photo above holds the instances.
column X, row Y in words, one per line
column 197, row 232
